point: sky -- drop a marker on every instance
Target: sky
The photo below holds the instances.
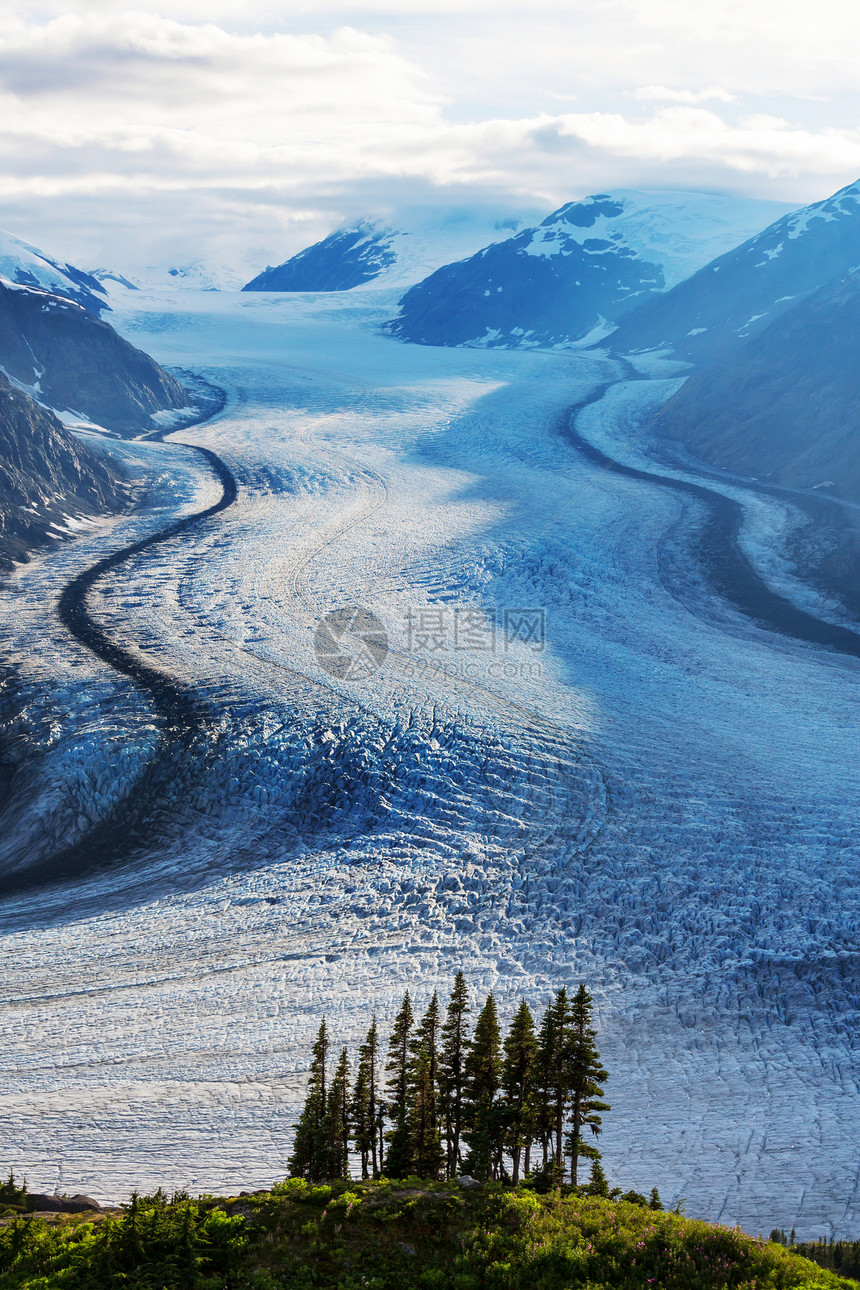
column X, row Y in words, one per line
column 168, row 132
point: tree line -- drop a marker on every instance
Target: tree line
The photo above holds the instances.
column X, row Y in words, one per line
column 842, row 1257
column 445, row 1100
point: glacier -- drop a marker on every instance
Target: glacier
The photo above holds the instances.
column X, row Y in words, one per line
column 662, row 801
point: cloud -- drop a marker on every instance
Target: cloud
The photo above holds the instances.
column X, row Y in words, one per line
column 662, row 94
column 131, row 134
column 759, row 144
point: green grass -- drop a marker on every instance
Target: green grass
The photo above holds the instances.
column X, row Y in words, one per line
column 395, row 1236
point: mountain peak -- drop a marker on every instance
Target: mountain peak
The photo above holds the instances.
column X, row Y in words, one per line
column 389, row 251
column 741, row 292
column 585, row 213
column 578, row 271
column 23, row 264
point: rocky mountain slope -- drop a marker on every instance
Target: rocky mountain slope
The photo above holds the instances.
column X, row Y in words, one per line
column 585, row 267
column 48, row 480
column 784, row 405
column 740, row 293
column 73, row 361
column 28, row 266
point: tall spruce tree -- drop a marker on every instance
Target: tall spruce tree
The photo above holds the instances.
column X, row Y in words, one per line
column 425, row 1142
column 586, row 1075
column 398, row 1159
column 561, row 1072
column 364, row 1107
column 544, row 1079
column 518, row 1081
column 483, row 1068
column 335, row 1134
column 307, row 1159
column 597, row 1184
column 452, row 1071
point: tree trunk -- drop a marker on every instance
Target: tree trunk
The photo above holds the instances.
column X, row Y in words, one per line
column 455, row 1154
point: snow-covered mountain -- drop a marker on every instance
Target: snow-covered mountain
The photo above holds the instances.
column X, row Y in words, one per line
column 583, row 268
column 784, row 404
column 199, row 275
column 380, row 253
column 348, row 258
column 205, row 274
column 741, row 292
column 113, row 278
column 69, row 360
column 27, row 265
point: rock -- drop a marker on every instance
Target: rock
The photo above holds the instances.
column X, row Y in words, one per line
column 45, row 1204
column 469, row 1184
column 36, row 1201
column 77, row 361
column 46, row 475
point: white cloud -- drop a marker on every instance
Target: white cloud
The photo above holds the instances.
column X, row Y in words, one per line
column 759, row 144
column 663, row 94
column 126, row 128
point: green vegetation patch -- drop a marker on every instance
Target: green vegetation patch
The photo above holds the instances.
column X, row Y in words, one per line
column 409, row 1235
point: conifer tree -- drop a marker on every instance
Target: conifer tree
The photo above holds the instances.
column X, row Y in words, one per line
column 364, row 1107
column 561, row 1072
column 187, row 1265
column 306, row 1160
column 483, row 1069
column 361, row 1129
column 586, row 1075
column 518, row 1080
column 423, row 1119
column 597, row 1184
column 335, row 1133
column 452, row 1062
column 398, row 1160
column 545, row 1060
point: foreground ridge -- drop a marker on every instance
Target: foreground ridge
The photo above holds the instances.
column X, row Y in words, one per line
column 395, row 1235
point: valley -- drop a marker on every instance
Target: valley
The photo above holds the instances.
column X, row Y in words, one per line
column 657, row 796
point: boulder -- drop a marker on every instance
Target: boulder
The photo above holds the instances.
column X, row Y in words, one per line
column 36, row 1201
column 469, row 1184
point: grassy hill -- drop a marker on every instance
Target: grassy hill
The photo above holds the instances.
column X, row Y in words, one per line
column 393, row 1236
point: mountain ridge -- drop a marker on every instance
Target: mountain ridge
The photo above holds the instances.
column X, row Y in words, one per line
column 49, row 480
column 25, row 265
column 702, row 316
column 391, row 251
column 573, row 276
column 70, row 360
column 784, row 404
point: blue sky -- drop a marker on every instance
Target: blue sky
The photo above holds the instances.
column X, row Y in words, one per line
column 166, row 131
